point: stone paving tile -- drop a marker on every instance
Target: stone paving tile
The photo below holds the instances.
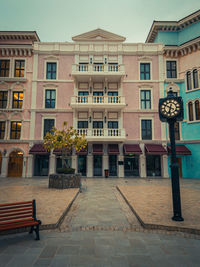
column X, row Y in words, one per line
column 153, row 204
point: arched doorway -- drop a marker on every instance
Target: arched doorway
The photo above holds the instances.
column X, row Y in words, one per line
column 15, row 164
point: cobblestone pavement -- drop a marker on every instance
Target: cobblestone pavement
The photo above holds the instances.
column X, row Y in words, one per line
column 100, row 230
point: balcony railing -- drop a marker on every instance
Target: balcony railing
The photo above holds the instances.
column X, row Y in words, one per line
column 98, row 68
column 102, row 132
column 92, row 100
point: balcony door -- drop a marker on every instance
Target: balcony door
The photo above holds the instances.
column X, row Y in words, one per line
column 97, row 165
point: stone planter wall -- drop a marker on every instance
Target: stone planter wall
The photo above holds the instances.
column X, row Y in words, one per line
column 62, row 181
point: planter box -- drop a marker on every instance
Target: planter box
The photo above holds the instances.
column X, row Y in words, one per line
column 62, row 181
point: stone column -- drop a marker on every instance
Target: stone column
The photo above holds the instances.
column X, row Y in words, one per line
column 4, row 166
column 29, row 173
column 24, row 166
column 74, row 163
column 121, row 167
column 165, row 169
column 52, row 163
column 105, row 164
column 143, row 173
column 89, row 166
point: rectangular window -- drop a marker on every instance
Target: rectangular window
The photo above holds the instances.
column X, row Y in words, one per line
column 51, row 71
column 19, row 68
column 3, row 99
column 15, row 130
column 98, row 124
column 48, row 124
column 2, row 129
column 146, row 126
column 171, row 69
column 4, row 68
column 113, row 124
column 145, row 71
column 17, row 100
column 145, row 99
column 153, row 165
column 50, row 98
column 82, row 124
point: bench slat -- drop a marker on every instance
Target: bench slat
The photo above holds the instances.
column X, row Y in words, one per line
column 12, row 210
column 10, row 215
column 18, row 225
column 15, row 207
column 16, row 217
column 16, row 203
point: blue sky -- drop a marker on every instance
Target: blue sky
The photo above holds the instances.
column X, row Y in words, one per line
column 59, row 20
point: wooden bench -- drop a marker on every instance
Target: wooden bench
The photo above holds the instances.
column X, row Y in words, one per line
column 19, row 215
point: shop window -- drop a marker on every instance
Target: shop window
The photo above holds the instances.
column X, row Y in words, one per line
column 50, row 98
column 131, row 165
column 15, row 130
column 145, row 71
column 197, row 110
column 189, row 81
column 51, row 71
column 153, row 164
column 195, row 79
column 4, row 68
column 17, row 100
column 190, row 111
column 2, row 129
column 3, row 99
column 145, row 99
column 48, row 125
column 171, row 69
column 19, row 68
column 146, row 127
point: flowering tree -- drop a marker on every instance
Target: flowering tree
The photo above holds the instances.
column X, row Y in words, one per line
column 65, row 140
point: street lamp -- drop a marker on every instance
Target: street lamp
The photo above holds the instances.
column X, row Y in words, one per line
column 170, row 111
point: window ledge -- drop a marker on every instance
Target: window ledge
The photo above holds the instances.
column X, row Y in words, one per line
column 12, row 109
column 177, row 80
column 192, row 90
column 192, row 122
column 13, row 79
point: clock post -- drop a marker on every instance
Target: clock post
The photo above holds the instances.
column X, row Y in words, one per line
column 170, row 111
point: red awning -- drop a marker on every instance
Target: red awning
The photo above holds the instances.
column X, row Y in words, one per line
column 98, row 149
column 132, row 149
column 58, row 151
column 113, row 149
column 180, row 150
column 83, row 151
column 38, row 149
column 154, row 149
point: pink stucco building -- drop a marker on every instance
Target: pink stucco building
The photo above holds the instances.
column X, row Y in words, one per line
column 103, row 86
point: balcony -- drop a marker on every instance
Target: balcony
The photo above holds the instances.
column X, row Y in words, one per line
column 117, row 102
column 112, row 70
column 103, row 134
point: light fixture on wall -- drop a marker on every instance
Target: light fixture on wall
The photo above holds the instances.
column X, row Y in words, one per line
column 90, row 119
column 105, row 119
column 4, row 152
column 90, row 89
column 105, row 89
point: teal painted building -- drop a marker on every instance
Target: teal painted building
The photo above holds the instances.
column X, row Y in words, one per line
column 181, row 64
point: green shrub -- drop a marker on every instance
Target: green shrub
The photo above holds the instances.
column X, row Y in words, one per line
column 66, row 170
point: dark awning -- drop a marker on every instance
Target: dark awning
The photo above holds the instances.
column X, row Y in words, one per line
column 155, row 149
column 113, row 149
column 58, row 151
column 98, row 149
column 132, row 149
column 38, row 149
column 180, row 150
column 83, row 151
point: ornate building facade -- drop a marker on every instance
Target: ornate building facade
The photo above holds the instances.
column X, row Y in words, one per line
column 107, row 89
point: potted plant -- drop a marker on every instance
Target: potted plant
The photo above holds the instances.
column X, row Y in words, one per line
column 64, row 140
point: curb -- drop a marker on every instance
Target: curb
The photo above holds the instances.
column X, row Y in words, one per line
column 149, row 226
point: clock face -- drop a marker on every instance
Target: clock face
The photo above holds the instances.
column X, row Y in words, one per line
column 170, row 108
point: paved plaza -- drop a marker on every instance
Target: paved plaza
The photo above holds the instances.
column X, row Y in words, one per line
column 100, row 229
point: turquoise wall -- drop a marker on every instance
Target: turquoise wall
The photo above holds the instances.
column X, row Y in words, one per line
column 191, row 163
column 177, row 38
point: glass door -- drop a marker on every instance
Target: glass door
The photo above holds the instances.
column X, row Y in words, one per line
column 131, row 166
column 41, row 166
column 97, row 165
column 82, row 164
column 112, row 165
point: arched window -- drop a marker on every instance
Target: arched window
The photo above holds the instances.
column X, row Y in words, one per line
column 197, row 110
column 195, row 79
column 189, row 82
column 190, row 111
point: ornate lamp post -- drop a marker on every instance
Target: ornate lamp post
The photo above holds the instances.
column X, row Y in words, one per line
column 170, row 111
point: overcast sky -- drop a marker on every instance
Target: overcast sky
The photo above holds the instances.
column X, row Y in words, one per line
column 59, row 20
